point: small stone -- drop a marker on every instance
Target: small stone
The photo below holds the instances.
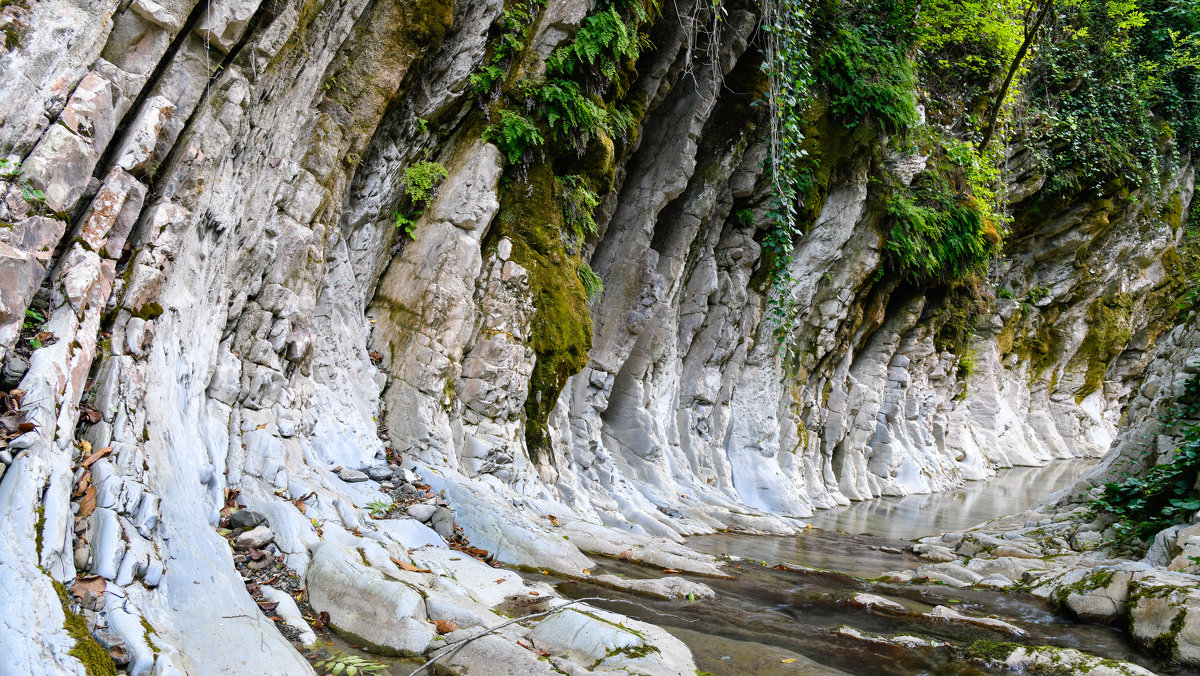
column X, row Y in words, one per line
column 14, row 369
column 444, row 528
column 422, row 512
column 245, row 518
column 352, row 476
column 378, row 473
column 92, row 601
column 81, row 558
column 6, row 457
column 255, row 539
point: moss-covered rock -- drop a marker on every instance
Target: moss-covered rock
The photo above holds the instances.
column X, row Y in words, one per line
column 531, row 217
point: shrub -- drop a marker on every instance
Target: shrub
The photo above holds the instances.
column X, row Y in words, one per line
column 1165, row 494
column 421, row 180
column 866, row 77
column 603, row 41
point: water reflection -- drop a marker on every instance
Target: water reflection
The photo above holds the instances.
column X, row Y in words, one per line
column 914, row 516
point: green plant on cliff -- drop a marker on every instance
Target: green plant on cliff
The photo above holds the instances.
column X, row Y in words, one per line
column 787, row 27
column 1164, row 495
column 515, row 135
column 579, row 201
column 866, row 75
column 604, row 40
column 1113, row 80
column 937, row 235
column 510, row 32
column 593, row 286
column 421, row 180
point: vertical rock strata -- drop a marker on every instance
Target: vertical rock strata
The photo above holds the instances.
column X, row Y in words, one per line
column 212, row 285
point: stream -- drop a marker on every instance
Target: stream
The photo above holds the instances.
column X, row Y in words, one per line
column 769, row 621
column 765, row 616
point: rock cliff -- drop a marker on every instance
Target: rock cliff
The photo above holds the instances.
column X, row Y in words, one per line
column 208, row 301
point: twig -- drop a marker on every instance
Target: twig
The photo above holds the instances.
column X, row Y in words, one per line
column 455, row 646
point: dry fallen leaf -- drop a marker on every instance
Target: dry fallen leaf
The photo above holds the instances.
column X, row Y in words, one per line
column 93, row 583
column 408, row 566
column 670, row 570
column 788, row 660
column 87, row 504
column 87, row 462
column 445, row 626
column 626, row 555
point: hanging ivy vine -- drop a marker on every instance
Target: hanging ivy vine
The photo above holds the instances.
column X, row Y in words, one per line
column 787, row 26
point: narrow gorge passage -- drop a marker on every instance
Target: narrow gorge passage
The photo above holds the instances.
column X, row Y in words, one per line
column 343, row 333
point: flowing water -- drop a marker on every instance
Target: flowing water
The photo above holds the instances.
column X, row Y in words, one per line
column 769, row 621
column 765, row 616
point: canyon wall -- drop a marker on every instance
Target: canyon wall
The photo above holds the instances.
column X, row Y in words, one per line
column 213, row 286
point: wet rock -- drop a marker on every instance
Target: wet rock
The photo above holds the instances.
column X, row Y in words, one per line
column 1069, row 662
column 875, row 601
column 671, row 588
column 951, row 615
column 934, row 553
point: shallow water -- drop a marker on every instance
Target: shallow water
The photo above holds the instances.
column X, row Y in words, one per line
column 766, row 615
column 914, row 516
column 769, row 621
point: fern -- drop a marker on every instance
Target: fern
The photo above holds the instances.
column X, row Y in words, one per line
column 593, row 286
column 603, row 41
column 571, row 114
column 515, row 135
column 578, row 203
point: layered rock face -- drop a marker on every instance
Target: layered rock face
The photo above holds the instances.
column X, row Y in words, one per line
column 202, row 272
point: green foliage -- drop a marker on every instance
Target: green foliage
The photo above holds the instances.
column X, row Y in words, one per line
column 787, row 26
column 866, row 76
column 592, row 284
column 966, row 366
column 408, row 222
column 510, row 32
column 349, row 666
column 1108, row 77
column 966, row 48
column 604, row 40
column 378, row 507
column 579, row 201
column 33, row 319
column 421, row 180
column 572, row 116
column 1037, row 294
column 1005, row 293
column 1165, row 494
column 937, row 236
column 517, row 136
column 10, row 171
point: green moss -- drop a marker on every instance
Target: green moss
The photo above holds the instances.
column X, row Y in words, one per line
column 531, row 216
column 94, row 657
column 147, row 632
column 992, row 650
column 1109, row 322
column 37, row 530
column 1094, row 580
